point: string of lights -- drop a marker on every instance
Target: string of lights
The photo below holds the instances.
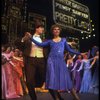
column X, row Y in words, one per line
column 90, row 35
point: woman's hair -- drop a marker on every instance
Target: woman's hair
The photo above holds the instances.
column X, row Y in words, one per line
column 86, row 54
column 96, row 52
column 17, row 50
column 54, row 26
column 6, row 46
column 67, row 57
column 78, row 56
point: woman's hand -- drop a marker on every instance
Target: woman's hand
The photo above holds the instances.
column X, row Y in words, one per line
column 96, row 57
column 83, row 53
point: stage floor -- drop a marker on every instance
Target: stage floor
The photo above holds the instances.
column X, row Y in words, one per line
column 66, row 96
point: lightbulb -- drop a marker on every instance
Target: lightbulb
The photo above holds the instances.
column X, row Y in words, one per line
column 88, row 29
column 90, row 20
column 82, row 37
column 86, row 37
column 94, row 35
column 89, row 35
column 93, row 29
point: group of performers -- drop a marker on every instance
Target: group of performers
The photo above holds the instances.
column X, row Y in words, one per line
column 46, row 62
column 83, row 69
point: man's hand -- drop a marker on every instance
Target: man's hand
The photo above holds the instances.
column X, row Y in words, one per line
column 27, row 34
column 26, row 37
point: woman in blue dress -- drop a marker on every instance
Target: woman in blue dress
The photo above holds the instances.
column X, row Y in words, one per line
column 94, row 85
column 87, row 76
column 70, row 64
column 57, row 76
column 77, row 78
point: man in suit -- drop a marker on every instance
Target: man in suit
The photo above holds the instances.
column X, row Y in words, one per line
column 34, row 61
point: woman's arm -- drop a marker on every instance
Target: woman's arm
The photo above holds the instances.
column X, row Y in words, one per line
column 67, row 47
column 67, row 63
column 43, row 44
column 81, row 66
column 90, row 59
column 74, row 66
column 93, row 62
column 74, row 57
column 88, row 54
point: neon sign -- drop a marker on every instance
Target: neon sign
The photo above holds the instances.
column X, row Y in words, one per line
column 71, row 14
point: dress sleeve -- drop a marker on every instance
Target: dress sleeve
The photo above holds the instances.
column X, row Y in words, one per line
column 90, row 59
column 43, row 44
column 81, row 66
column 67, row 47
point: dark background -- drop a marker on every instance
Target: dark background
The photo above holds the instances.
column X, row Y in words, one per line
column 44, row 7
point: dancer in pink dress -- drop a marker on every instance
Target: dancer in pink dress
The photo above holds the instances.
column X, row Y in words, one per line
column 18, row 74
column 4, row 83
column 7, row 76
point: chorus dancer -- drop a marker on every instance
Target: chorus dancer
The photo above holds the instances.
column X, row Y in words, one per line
column 4, row 81
column 23, row 78
column 3, row 74
column 57, row 76
column 18, row 74
column 94, row 50
column 94, row 85
column 70, row 65
column 93, row 53
column 8, row 71
column 87, row 76
column 2, row 49
column 77, row 78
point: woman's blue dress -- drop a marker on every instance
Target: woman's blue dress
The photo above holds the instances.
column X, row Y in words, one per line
column 77, row 79
column 57, row 76
column 94, row 86
column 87, row 76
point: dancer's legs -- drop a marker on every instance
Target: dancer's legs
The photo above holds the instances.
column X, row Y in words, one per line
column 73, row 92
column 55, row 94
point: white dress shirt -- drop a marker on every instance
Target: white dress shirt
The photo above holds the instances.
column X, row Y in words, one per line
column 36, row 51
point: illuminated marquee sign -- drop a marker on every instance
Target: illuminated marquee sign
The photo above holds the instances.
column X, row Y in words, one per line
column 71, row 14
